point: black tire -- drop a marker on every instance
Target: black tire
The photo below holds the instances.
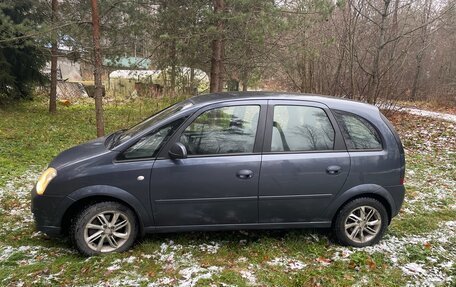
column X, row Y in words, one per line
column 78, row 232
column 353, row 207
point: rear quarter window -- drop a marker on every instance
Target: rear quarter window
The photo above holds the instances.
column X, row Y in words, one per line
column 358, row 133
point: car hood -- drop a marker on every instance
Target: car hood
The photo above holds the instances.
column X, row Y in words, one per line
column 80, row 153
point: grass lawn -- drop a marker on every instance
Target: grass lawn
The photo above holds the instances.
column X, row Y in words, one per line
column 419, row 248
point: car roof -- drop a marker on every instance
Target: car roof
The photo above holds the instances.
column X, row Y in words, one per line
column 330, row 101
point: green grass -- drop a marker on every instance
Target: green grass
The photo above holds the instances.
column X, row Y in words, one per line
column 30, row 138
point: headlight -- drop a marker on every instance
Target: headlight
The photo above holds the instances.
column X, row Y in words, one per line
column 45, row 179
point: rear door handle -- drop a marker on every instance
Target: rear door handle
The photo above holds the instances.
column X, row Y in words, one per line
column 333, row 169
column 244, row 174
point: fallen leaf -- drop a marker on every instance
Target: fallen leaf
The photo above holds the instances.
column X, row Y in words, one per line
column 372, row 265
column 323, row 260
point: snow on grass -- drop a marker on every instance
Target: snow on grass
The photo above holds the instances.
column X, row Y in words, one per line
column 426, row 259
column 289, row 264
column 210, row 248
column 18, row 190
column 176, row 259
column 117, row 264
column 181, row 258
column 15, row 203
column 429, row 114
column 30, row 254
column 130, row 279
column 430, row 164
column 249, row 275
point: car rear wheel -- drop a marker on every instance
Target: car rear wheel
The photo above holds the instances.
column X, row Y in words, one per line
column 361, row 222
column 103, row 228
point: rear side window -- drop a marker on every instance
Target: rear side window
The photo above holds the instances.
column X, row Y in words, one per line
column 301, row 128
column 358, row 133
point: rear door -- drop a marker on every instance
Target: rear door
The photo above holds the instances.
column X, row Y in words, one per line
column 304, row 163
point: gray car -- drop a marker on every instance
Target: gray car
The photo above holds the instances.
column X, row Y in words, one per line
column 252, row 160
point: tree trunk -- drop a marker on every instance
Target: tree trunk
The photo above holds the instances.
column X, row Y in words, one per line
column 216, row 84
column 424, row 35
column 97, row 72
column 53, row 92
column 173, row 67
column 244, row 80
column 222, row 64
column 374, row 81
column 232, row 85
column 244, row 87
column 192, row 82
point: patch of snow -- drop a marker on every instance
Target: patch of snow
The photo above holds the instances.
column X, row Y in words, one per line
column 211, row 248
column 177, row 257
column 133, row 280
column 396, row 249
column 191, row 275
column 429, row 114
column 161, row 282
column 342, row 255
column 129, row 260
column 413, row 268
column 31, row 253
column 114, row 266
column 242, row 260
column 249, row 276
column 287, row 263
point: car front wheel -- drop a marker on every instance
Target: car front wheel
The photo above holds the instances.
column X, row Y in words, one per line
column 103, row 228
column 361, row 222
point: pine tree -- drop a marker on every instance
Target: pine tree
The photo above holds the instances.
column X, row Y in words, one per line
column 21, row 58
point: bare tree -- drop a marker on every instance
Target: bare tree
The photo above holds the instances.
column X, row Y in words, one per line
column 54, row 51
column 423, row 44
column 97, row 71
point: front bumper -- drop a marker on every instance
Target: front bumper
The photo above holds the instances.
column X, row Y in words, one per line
column 48, row 212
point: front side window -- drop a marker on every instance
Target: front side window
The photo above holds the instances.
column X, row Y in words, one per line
column 358, row 133
column 123, row 136
column 149, row 146
column 222, row 131
column 301, row 128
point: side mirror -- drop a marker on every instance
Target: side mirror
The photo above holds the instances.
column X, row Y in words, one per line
column 177, row 151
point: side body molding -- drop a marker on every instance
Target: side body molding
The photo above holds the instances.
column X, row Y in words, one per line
column 145, row 218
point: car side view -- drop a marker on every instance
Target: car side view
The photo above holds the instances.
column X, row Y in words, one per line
column 247, row 160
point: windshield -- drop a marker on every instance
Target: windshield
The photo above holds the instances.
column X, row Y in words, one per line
column 122, row 136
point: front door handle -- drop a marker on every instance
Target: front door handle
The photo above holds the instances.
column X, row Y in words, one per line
column 244, row 174
column 333, row 169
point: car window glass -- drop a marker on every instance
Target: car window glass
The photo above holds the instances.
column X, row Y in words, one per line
column 222, row 131
column 300, row 128
column 150, row 145
column 358, row 133
column 138, row 128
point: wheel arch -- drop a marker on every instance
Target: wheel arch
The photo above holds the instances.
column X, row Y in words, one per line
column 95, row 194
column 368, row 190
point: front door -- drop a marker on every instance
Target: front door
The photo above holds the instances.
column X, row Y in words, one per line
column 218, row 182
column 305, row 163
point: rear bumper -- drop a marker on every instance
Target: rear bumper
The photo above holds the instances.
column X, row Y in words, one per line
column 48, row 212
column 397, row 193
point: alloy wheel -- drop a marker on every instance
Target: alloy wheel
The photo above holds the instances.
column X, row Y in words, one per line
column 107, row 231
column 363, row 224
